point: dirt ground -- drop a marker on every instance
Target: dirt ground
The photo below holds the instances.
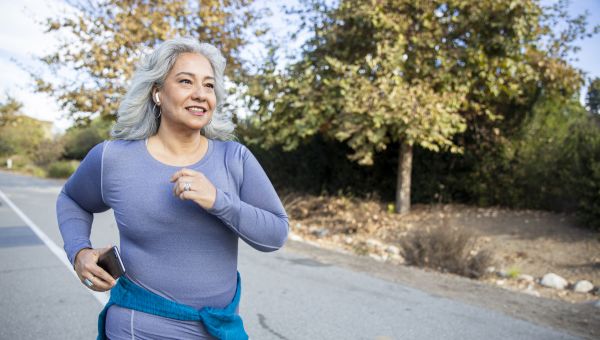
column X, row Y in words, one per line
column 522, row 241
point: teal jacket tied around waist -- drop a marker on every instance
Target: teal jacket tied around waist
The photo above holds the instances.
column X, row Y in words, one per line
column 221, row 323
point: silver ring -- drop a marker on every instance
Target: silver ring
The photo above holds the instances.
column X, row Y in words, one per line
column 88, row 282
column 187, row 186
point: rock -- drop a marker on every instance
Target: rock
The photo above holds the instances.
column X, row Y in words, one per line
column 500, row 282
column 583, row 286
column 554, row 281
column 397, row 259
column 502, row 273
column 348, row 240
column 376, row 257
column 490, row 270
column 526, row 278
column 392, row 250
column 321, row 232
column 531, row 291
column 295, row 237
column 373, row 244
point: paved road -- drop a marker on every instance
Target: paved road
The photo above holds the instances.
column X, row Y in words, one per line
column 286, row 294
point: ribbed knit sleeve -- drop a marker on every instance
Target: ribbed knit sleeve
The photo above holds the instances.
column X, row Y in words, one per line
column 256, row 215
column 79, row 199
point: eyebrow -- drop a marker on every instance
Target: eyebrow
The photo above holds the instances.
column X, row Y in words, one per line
column 193, row 75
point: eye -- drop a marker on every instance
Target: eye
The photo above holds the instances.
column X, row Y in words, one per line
column 185, row 81
column 210, row 85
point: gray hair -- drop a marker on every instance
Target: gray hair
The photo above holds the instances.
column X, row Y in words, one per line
column 138, row 118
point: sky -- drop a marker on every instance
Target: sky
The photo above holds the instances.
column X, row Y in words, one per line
column 22, row 42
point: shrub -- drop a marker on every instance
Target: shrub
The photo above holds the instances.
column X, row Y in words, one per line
column 552, row 163
column 446, row 250
column 47, row 152
column 62, row 169
column 18, row 161
column 33, row 170
column 79, row 140
column 513, row 272
column 581, row 170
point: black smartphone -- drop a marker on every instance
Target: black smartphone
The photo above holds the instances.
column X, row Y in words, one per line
column 111, row 262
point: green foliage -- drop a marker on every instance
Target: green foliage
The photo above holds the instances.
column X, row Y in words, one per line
column 8, row 109
column 592, row 99
column 62, row 169
column 541, row 151
column 360, row 75
column 48, row 152
column 352, row 86
column 551, row 138
column 34, row 170
column 582, row 173
column 513, row 272
column 416, row 72
column 316, row 166
column 26, row 140
column 19, row 134
column 18, row 161
column 551, row 164
column 79, row 140
column 106, row 40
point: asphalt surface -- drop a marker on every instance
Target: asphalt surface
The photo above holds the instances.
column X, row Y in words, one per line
column 286, row 294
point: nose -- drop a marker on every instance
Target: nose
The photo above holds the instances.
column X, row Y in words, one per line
column 199, row 93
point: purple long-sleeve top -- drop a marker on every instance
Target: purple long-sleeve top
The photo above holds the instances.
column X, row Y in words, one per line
column 172, row 247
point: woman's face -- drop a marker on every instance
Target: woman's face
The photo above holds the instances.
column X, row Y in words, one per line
column 188, row 97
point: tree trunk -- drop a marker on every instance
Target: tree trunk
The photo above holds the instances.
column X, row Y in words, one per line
column 405, row 154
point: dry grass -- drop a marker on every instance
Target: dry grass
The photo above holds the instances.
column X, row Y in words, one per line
column 445, row 249
column 523, row 241
column 341, row 215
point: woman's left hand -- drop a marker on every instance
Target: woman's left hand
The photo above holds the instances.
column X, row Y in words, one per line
column 193, row 185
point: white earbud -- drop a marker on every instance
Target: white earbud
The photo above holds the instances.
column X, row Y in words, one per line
column 157, row 99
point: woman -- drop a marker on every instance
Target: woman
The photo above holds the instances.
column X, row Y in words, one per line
column 182, row 193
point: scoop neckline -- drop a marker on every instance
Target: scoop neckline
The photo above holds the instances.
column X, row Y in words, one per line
column 201, row 161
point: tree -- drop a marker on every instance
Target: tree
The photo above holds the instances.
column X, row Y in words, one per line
column 19, row 134
column 9, row 109
column 592, row 99
column 414, row 72
column 103, row 41
column 79, row 140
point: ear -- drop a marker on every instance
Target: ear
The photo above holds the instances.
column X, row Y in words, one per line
column 155, row 96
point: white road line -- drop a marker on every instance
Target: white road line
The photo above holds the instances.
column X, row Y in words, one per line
column 56, row 250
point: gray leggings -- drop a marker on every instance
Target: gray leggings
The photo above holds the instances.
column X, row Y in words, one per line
column 127, row 324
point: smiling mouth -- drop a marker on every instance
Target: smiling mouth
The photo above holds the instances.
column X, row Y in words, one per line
column 197, row 110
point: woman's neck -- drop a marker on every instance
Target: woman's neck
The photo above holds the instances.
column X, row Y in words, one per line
column 179, row 143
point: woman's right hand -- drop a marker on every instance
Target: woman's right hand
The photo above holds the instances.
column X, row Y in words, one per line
column 86, row 267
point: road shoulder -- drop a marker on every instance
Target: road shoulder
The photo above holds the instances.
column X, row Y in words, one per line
column 577, row 319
